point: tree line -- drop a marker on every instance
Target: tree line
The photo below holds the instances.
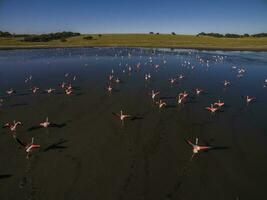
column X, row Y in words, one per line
column 51, row 36
column 231, row 35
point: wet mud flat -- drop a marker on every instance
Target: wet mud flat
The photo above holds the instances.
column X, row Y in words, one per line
column 90, row 154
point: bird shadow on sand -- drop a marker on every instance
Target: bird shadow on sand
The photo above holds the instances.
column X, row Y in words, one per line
column 191, row 100
column 19, row 104
column 78, row 94
column 76, row 88
column 170, row 106
column 115, row 90
column 137, row 117
column 59, row 92
column 56, row 146
column 216, row 148
column 168, row 97
column 50, row 126
column 4, row 176
column 23, row 94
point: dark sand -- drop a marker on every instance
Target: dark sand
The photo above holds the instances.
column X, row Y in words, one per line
column 93, row 157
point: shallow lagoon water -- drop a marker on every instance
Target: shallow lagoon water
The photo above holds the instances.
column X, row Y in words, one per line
column 92, row 156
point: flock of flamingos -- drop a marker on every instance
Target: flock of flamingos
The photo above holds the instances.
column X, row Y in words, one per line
column 121, row 115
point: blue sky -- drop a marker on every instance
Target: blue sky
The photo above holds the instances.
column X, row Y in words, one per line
column 134, row 16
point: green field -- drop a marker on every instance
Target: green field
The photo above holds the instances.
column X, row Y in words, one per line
column 146, row 40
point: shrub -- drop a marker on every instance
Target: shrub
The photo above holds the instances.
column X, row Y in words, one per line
column 51, row 36
column 89, row 37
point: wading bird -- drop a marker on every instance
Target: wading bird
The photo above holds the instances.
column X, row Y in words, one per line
column 154, row 94
column 226, row 83
column 212, row 109
column 45, row 124
column 68, row 91
column 198, row 91
column 122, row 116
column 109, row 88
column 182, row 96
column 12, row 126
column 28, row 147
column 172, row 80
column 161, row 104
column 219, row 103
column 34, row 89
column 196, row 148
column 62, row 85
column 249, row 99
column 50, row 90
column 10, row 91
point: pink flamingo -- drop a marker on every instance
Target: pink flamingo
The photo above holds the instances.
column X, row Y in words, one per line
column 28, row 147
column 10, row 91
column 249, row 99
column 198, row 91
column 219, row 104
column 109, row 89
column 45, row 124
column 50, row 90
column 122, row 116
column 154, row 94
column 196, row 148
column 161, row 103
column 12, row 126
column 212, row 109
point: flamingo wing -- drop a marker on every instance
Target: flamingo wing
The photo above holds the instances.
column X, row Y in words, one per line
column 204, row 147
column 36, row 146
column 189, row 142
column 7, row 125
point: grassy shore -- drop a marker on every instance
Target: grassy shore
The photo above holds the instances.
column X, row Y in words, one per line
column 145, row 40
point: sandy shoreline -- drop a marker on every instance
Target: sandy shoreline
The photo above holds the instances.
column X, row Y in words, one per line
column 122, row 46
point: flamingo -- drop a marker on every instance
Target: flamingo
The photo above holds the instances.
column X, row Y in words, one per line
column 10, row 91
column 212, row 109
column 28, row 79
column 147, row 77
column 219, row 104
column 45, row 124
column 122, row 116
column 68, row 91
column 110, row 77
column 172, row 80
column 34, row 89
column 226, row 83
column 161, row 103
column 69, row 87
column 12, row 126
column 249, row 99
column 117, row 80
column 196, row 148
column 62, row 85
column 182, row 96
column 198, row 91
column 109, row 89
column 50, row 90
column 28, row 147
column 154, row 94
column 181, row 76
